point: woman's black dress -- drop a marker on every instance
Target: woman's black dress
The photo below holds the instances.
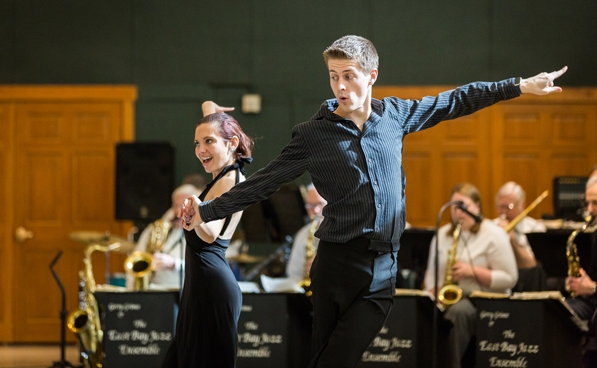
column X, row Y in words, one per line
column 206, row 329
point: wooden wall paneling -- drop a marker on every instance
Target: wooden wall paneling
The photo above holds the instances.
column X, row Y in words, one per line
column 519, row 144
column 418, row 157
column 530, row 139
column 6, row 252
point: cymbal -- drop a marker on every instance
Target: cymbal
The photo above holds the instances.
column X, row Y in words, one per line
column 246, row 258
column 96, row 237
column 89, row 236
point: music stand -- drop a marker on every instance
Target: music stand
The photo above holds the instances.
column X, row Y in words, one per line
column 414, row 252
column 288, row 211
column 281, row 215
column 550, row 251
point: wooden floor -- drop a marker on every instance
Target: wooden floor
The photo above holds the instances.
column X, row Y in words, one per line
column 36, row 356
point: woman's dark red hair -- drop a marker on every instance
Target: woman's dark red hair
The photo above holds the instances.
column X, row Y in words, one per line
column 228, row 127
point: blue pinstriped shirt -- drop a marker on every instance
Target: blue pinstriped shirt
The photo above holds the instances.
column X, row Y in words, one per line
column 359, row 174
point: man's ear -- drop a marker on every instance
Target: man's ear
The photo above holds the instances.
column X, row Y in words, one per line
column 373, row 76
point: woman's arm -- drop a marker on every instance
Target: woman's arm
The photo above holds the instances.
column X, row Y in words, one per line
column 210, row 107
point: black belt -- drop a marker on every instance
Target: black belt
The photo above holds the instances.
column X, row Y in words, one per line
column 374, row 245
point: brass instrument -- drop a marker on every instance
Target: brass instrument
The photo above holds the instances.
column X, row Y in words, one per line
column 309, row 256
column 572, row 253
column 450, row 293
column 526, row 211
column 139, row 263
column 85, row 321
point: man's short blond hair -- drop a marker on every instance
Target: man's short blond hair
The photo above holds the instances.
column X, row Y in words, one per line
column 356, row 48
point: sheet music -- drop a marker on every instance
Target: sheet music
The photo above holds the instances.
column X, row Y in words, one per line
column 280, row 285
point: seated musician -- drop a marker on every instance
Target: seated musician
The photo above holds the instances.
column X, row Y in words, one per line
column 510, row 203
column 483, row 260
column 298, row 264
column 168, row 263
column 585, row 287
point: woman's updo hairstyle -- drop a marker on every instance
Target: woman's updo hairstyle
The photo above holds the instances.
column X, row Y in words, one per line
column 228, row 127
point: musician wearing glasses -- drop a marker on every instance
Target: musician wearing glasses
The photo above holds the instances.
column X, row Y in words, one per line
column 584, row 287
column 510, row 203
column 474, row 255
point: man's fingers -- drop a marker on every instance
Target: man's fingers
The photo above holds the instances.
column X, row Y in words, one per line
column 553, row 90
column 558, row 73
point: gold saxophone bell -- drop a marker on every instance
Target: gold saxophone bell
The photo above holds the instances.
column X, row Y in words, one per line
column 572, row 253
column 139, row 263
column 78, row 321
column 85, row 322
column 450, row 293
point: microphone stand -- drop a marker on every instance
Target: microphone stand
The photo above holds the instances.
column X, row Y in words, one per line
column 435, row 292
column 63, row 312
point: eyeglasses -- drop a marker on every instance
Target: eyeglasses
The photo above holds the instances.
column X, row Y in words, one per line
column 508, row 206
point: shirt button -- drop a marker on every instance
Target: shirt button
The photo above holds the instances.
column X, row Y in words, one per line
column 379, row 205
column 375, row 182
column 369, row 160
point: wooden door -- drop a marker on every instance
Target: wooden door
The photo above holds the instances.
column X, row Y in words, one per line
column 63, row 181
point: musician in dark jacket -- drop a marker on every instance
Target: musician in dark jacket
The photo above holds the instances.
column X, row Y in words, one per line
column 585, row 288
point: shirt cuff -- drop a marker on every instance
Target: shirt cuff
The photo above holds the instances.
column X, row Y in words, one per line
column 207, row 212
column 508, row 88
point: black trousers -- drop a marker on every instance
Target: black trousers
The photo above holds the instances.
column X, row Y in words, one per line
column 353, row 291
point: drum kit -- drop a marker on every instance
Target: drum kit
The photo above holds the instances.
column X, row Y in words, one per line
column 96, row 237
column 107, row 243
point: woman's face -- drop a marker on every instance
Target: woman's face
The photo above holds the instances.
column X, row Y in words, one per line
column 459, row 215
column 211, row 149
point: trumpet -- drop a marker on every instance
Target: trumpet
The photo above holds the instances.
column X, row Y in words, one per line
column 450, row 293
column 526, row 211
column 572, row 252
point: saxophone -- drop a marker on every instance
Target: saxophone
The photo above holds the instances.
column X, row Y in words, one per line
column 139, row 263
column 85, row 322
column 450, row 293
column 305, row 283
column 572, row 253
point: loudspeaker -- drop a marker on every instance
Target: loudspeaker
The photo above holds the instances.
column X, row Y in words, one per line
column 144, row 180
column 569, row 197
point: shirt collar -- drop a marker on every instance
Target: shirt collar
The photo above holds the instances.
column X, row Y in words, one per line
column 326, row 110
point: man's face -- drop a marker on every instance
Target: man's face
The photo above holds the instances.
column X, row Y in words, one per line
column 508, row 206
column 351, row 86
column 591, row 198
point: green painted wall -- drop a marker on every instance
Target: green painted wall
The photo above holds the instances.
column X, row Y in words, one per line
column 180, row 53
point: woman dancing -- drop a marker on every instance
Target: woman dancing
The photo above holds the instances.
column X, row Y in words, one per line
column 206, row 329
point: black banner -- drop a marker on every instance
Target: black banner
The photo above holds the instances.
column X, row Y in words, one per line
column 138, row 327
column 526, row 333
column 274, row 330
column 405, row 339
